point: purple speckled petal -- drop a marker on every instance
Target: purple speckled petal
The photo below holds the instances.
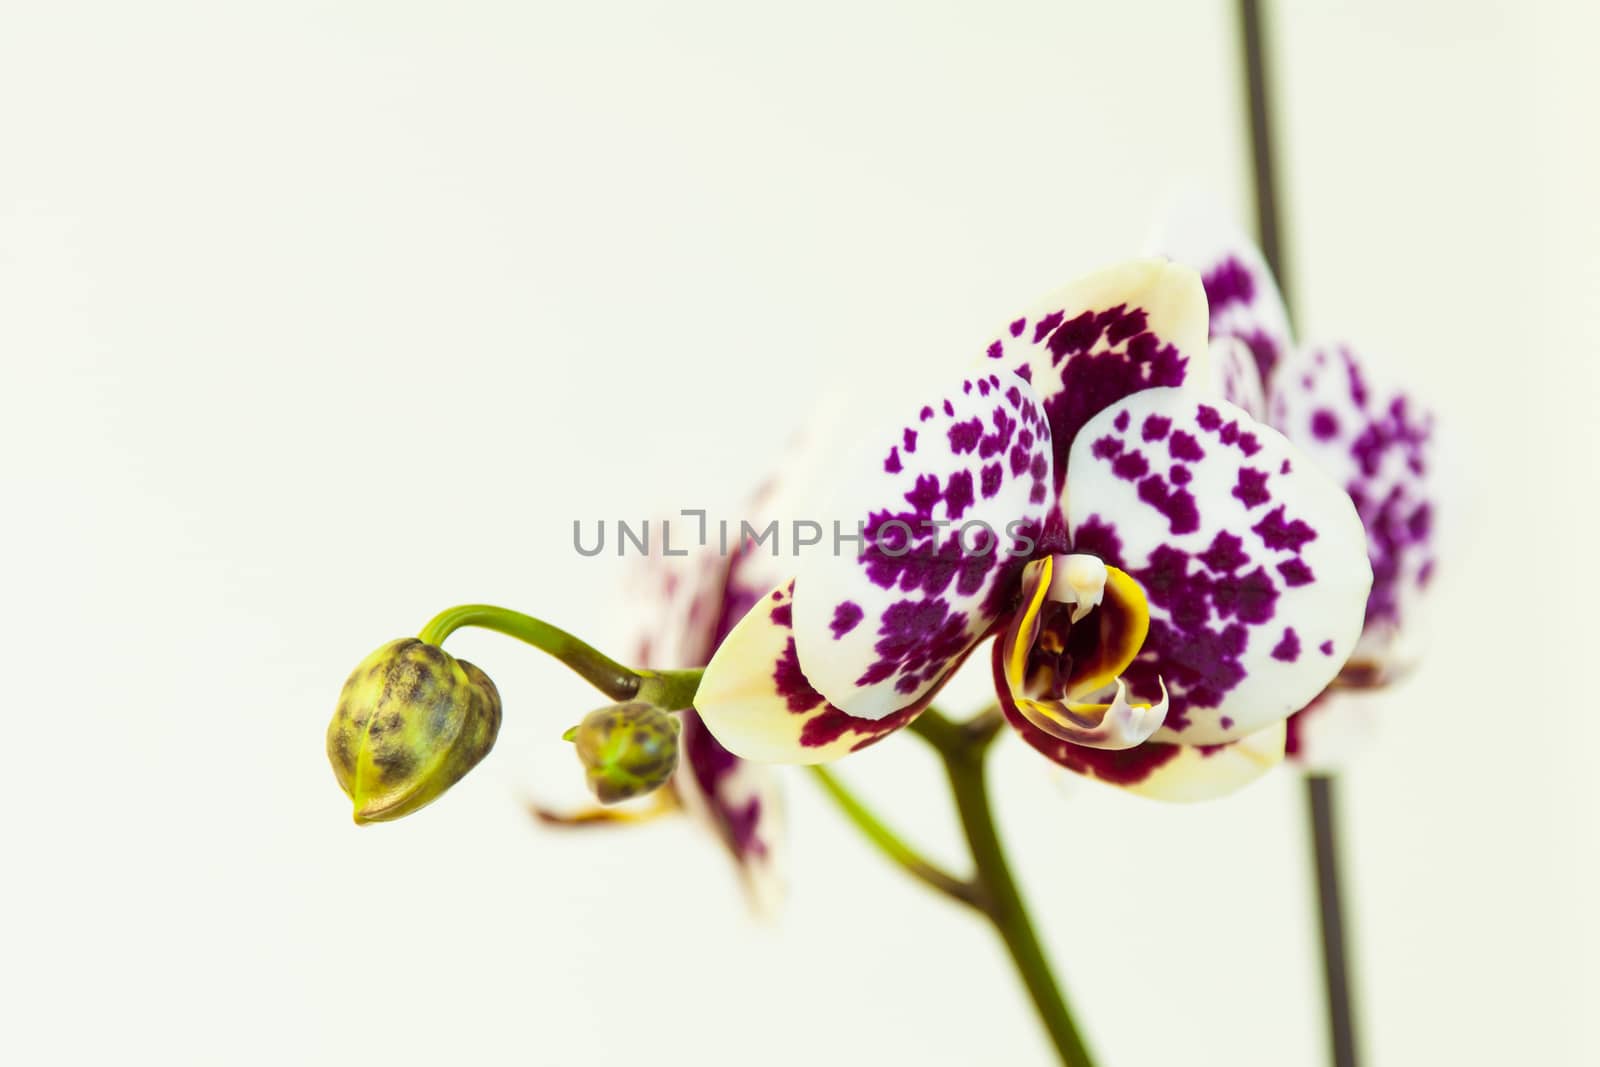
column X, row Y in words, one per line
column 942, row 497
column 1137, row 325
column 743, row 805
column 1244, row 298
column 1253, row 561
column 1377, row 442
column 1235, row 376
column 759, row 704
column 674, row 604
column 684, row 607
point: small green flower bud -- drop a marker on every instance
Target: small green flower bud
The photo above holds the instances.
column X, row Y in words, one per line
column 411, row 721
column 627, row 749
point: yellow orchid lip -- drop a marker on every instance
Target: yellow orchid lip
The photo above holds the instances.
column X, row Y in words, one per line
column 1080, row 625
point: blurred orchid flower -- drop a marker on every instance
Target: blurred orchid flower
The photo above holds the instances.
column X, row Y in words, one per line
column 1371, row 437
column 1166, row 578
column 682, row 607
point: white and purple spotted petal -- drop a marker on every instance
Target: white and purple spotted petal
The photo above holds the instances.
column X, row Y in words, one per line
column 939, row 501
column 1376, row 442
column 1133, row 326
column 759, row 704
column 1253, row 561
column 1244, row 298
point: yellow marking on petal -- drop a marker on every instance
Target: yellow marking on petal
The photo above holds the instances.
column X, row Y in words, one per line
column 1124, row 600
column 1019, row 636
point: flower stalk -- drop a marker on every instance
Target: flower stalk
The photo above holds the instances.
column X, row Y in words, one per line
column 964, row 750
column 669, row 690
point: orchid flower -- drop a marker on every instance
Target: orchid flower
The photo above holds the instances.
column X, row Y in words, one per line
column 1166, row 578
column 1372, row 438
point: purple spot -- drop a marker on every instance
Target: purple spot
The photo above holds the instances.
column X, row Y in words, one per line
column 1177, row 505
column 1248, row 444
column 958, row 494
column 1279, row 534
column 1252, row 599
column 1045, row 325
column 1327, row 648
column 992, row 476
column 1207, row 417
column 1252, row 487
column 1229, row 283
column 996, row 350
column 949, row 408
column 1286, row 468
column 1155, row 427
column 792, row 684
column 910, row 439
column 927, row 413
column 1182, row 445
column 1288, row 648
column 1179, row 474
column 1324, row 425
column 1225, row 555
column 964, row 436
column 892, row 464
column 1130, row 467
column 1107, row 447
column 1121, row 422
column 1018, row 326
column 845, row 618
column 1295, row 572
column 1020, row 460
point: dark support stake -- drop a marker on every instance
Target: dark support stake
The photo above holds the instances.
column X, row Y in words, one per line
column 1320, row 798
column 1265, row 171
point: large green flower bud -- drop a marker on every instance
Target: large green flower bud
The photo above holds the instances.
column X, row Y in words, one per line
column 411, row 721
column 627, row 749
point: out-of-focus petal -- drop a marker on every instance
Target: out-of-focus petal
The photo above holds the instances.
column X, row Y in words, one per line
column 1162, row 770
column 685, row 607
column 1327, row 733
column 1095, row 649
column 757, row 702
column 673, row 601
column 1133, row 326
column 1236, row 378
column 1253, row 561
column 1242, row 294
column 742, row 803
column 940, row 500
column 1376, row 442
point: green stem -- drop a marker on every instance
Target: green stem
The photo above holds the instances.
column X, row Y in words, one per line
column 890, row 844
column 964, row 749
column 673, row 690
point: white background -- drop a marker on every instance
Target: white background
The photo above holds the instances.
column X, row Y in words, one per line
column 318, row 318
